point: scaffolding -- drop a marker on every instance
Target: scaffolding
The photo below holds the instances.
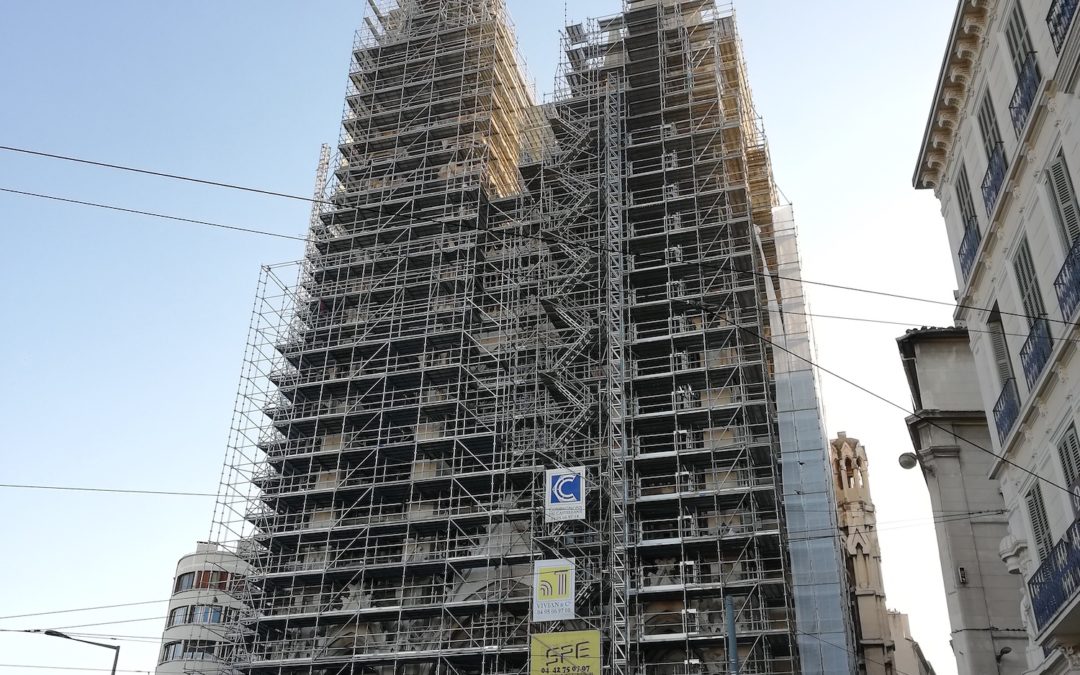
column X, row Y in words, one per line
column 496, row 287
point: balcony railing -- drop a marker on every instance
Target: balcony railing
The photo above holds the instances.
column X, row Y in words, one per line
column 994, row 177
column 969, row 245
column 1036, row 351
column 1057, row 580
column 1007, row 409
column 1027, row 85
column 1067, row 283
column 1059, row 19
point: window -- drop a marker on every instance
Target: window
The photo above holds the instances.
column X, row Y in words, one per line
column 1016, row 34
column 196, row 614
column 1069, row 454
column 999, row 346
column 988, row 126
column 172, row 651
column 206, row 614
column 184, row 582
column 198, row 650
column 1040, row 524
column 177, row 617
column 1064, row 197
column 963, row 198
column 1028, row 283
column 189, row 650
column 215, row 580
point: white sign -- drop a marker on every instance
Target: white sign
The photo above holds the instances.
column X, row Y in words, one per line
column 553, row 590
column 564, row 494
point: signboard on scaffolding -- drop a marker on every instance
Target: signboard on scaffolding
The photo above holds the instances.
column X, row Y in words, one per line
column 573, row 653
column 564, row 494
column 553, row 590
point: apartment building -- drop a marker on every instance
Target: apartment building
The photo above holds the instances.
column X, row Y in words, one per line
column 1001, row 154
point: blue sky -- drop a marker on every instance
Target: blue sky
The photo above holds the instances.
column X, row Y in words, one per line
column 123, row 335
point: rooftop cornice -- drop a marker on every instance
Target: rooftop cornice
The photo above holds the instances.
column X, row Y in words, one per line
column 966, row 41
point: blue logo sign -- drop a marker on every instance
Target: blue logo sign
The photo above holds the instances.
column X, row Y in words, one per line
column 565, row 488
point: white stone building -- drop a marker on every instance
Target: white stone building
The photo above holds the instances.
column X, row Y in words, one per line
column 982, row 596
column 1001, row 153
column 201, row 606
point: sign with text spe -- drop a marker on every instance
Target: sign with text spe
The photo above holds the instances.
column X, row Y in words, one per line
column 573, row 653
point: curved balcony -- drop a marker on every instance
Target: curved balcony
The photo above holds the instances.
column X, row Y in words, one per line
column 1027, row 86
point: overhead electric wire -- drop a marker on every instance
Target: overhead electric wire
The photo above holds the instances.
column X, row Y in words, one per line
column 159, row 174
column 312, row 200
column 82, row 609
column 718, row 312
column 71, row 667
column 20, row 486
column 151, row 214
column 715, row 311
column 109, row 623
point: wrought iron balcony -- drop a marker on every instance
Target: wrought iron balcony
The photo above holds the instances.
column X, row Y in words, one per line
column 1007, row 409
column 1027, row 85
column 1036, row 351
column 1057, row 581
column 1067, row 283
column 1059, row 19
column 969, row 245
column 994, row 177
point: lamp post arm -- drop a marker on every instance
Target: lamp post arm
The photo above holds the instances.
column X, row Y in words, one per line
column 56, row 633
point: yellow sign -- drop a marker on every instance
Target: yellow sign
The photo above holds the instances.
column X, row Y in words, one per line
column 553, row 590
column 573, row 653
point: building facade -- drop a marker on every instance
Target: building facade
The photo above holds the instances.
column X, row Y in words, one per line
column 907, row 654
column 1001, row 153
column 529, row 338
column 203, row 603
column 971, row 521
column 858, row 526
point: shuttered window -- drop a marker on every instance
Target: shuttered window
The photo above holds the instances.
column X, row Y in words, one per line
column 1040, row 524
column 1064, row 197
column 963, row 198
column 1016, row 34
column 1069, row 454
column 1028, row 283
column 988, row 125
column 1000, row 347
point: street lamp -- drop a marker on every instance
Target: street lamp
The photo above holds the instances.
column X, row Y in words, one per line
column 56, row 633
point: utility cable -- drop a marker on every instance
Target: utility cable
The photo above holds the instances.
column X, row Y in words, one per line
column 83, row 609
column 150, row 214
column 109, row 623
column 100, row 670
column 159, row 174
column 18, row 486
column 715, row 311
column 272, row 193
column 718, row 313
